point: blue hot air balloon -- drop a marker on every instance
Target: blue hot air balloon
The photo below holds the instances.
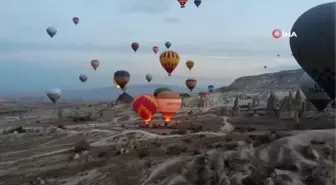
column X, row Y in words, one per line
column 51, row 31
column 197, row 2
column 211, row 88
column 168, row 45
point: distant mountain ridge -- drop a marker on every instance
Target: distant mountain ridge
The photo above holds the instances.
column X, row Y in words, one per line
column 281, row 80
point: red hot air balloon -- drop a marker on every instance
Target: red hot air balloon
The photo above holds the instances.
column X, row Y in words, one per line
column 182, row 2
column 155, row 49
column 135, row 46
column 75, row 20
column 145, row 106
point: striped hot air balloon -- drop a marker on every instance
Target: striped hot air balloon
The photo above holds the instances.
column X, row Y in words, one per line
column 145, row 106
column 182, row 3
column 169, row 61
column 191, row 84
column 190, row 64
column 169, row 104
column 122, row 77
column 161, row 89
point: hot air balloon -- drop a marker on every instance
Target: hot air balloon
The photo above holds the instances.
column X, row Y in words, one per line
column 265, row 67
column 95, row 64
column 135, row 46
column 190, row 64
column 169, row 61
column 314, row 93
column 169, row 104
column 161, row 89
column 168, row 44
column 197, row 2
column 83, row 78
column 122, row 77
column 191, row 84
column 314, row 48
column 149, row 78
column 54, row 95
column 211, row 88
column 182, row 3
column 155, row 49
column 278, row 55
column 75, row 20
column 145, row 106
column 51, row 31
column 115, row 84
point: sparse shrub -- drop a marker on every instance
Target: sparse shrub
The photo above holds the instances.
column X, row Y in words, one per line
column 61, row 127
column 201, row 136
column 142, row 152
column 102, row 154
column 196, row 152
column 81, row 146
column 101, row 113
column 148, row 163
column 38, row 121
column 179, row 132
column 187, row 140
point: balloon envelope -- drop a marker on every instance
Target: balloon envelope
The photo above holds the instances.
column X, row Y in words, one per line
column 161, row 89
column 169, row 104
column 149, row 77
column 54, row 95
column 155, row 49
column 75, row 20
column 168, row 45
column 191, row 84
column 211, row 88
column 83, row 78
column 169, row 61
column 182, row 3
column 115, row 84
column 51, row 31
column 198, row 2
column 190, row 64
column 314, row 93
column 95, row 64
column 122, row 77
column 314, row 46
column 135, row 46
column 145, row 106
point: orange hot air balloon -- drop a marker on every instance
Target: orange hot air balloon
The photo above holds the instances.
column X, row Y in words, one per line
column 145, row 106
column 191, row 84
column 95, row 64
column 169, row 61
column 182, row 3
column 169, row 104
column 190, row 64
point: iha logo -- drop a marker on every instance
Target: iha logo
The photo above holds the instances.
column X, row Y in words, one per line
column 277, row 34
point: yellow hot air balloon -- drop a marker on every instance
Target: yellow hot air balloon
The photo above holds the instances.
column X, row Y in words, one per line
column 190, row 64
column 115, row 84
column 169, row 60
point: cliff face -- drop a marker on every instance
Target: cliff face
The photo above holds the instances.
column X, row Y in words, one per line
column 282, row 80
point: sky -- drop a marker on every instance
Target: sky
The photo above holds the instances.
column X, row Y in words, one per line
column 226, row 39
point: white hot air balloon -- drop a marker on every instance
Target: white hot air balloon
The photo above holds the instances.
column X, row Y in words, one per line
column 54, row 94
column 314, row 93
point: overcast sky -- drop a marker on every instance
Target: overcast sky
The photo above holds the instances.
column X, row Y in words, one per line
column 226, row 39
